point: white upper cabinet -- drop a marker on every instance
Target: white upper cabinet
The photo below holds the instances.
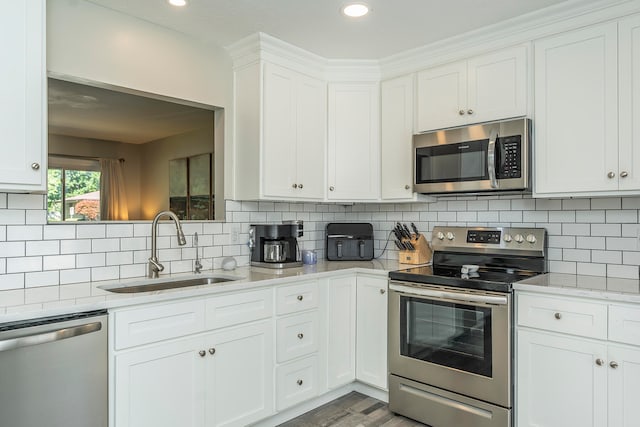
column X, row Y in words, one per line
column 280, row 134
column 396, row 133
column 353, row 142
column 629, row 98
column 23, row 163
column 583, row 145
column 483, row 88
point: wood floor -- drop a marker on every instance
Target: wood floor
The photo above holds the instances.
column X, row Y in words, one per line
column 352, row 410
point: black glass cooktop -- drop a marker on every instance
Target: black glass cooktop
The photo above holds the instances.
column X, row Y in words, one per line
column 494, row 273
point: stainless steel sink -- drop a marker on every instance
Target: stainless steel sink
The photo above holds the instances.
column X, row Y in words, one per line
column 167, row 284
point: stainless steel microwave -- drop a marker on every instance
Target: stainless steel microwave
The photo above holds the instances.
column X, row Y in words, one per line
column 487, row 157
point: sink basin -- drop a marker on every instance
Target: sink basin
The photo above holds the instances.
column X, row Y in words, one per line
column 168, row 284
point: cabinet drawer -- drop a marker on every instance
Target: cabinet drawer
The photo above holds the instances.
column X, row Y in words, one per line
column 297, row 336
column 157, row 323
column 228, row 310
column 565, row 315
column 624, row 324
column 294, row 298
column 296, row 382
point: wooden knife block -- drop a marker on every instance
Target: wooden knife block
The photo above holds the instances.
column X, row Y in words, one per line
column 421, row 255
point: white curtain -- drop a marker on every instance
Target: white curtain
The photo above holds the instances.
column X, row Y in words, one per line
column 113, row 196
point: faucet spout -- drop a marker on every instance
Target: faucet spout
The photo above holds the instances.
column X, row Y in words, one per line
column 154, row 265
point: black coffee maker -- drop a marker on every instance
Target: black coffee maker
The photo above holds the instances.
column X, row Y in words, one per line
column 275, row 245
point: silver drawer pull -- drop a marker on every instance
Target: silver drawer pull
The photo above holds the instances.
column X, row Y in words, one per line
column 202, row 353
column 558, row 316
column 613, row 364
column 599, row 362
column 299, row 382
column 300, row 336
column 300, row 297
column 212, row 351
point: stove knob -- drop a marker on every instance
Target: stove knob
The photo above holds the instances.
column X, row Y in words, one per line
column 450, row 236
column 440, row 235
column 507, row 238
column 531, row 238
column 519, row 238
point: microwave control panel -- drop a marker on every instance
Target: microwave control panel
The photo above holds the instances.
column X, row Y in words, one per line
column 509, row 157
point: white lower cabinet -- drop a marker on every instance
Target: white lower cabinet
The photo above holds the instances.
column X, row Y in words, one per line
column 571, row 375
column 341, row 330
column 296, row 382
column 218, row 379
column 371, row 331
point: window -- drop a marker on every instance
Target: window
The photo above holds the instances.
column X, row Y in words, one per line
column 73, row 192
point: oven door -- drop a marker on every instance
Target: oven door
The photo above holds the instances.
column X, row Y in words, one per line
column 454, row 339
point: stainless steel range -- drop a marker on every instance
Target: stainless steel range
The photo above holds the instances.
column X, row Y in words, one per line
column 450, row 326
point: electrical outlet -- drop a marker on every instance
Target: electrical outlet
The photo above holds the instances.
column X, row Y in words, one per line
column 235, row 234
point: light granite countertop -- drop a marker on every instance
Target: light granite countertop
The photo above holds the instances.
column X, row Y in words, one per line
column 31, row 303
column 606, row 288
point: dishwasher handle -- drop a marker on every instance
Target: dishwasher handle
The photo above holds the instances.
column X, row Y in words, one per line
column 49, row 336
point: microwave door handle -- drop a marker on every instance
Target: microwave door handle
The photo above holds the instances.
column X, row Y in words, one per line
column 491, row 158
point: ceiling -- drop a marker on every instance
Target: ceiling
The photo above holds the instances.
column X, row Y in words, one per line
column 92, row 112
column 391, row 27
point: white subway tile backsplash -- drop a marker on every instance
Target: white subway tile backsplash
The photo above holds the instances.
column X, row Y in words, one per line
column 631, row 258
column 36, row 217
column 25, row 201
column 631, row 203
column 24, row 264
column 42, row 278
column 488, row 216
column 614, row 230
column 621, row 216
column 624, row 271
column 548, row 204
column 120, row 258
column 606, row 203
column 535, row 216
column 510, row 216
column 59, row 232
column 39, row 295
column 90, row 260
column 499, row 205
column 591, row 269
column 622, row 244
column 606, row 257
column 568, row 242
column 581, row 255
column 119, row 230
column 91, row 231
column 576, row 229
column 562, row 216
column 478, row 205
column 446, row 216
column 576, row 204
column 105, row 273
column 11, row 281
column 3, row 200
column 12, row 249
column 105, row 245
column 82, row 246
column 58, row 262
column 590, row 242
column 590, row 216
column 12, row 217
column 563, row 267
column 24, row 232
column 43, row 247
column 75, row 276
column 134, row 270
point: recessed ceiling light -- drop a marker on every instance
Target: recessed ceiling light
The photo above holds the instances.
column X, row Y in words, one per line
column 355, row 10
column 178, row 2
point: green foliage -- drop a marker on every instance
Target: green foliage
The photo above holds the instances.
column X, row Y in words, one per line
column 76, row 182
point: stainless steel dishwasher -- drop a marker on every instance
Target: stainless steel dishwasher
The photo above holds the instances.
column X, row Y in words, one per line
column 53, row 371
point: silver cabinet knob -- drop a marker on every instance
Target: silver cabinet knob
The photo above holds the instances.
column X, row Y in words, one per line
column 382, row 291
column 613, row 364
column 558, row 316
column 299, row 382
column 202, row 353
column 300, row 336
column 295, row 185
column 406, row 187
column 331, row 188
column 35, row 166
column 300, row 186
column 212, row 351
column 469, row 111
column 599, row 362
column 624, row 174
column 300, row 297
column 461, row 112
column 611, row 175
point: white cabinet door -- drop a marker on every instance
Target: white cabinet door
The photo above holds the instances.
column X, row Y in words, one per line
column 279, row 151
column 23, row 127
column 161, row 385
column 497, row 85
column 353, row 142
column 341, row 331
column 371, row 333
column 311, row 138
column 396, row 133
column 239, row 375
column 624, row 386
column 442, row 97
column 561, row 381
column 576, row 111
column 629, row 96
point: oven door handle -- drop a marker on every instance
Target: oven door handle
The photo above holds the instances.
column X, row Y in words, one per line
column 455, row 296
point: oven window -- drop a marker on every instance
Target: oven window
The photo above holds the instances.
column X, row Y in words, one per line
column 452, row 162
column 448, row 334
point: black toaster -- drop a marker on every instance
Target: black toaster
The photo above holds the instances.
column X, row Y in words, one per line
column 349, row 241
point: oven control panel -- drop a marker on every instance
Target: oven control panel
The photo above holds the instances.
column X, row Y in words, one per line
column 484, row 236
column 482, row 239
